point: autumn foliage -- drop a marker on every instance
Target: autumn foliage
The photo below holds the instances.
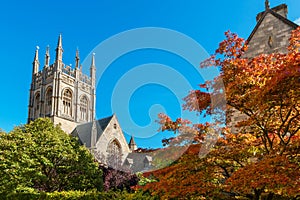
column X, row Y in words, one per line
column 263, row 158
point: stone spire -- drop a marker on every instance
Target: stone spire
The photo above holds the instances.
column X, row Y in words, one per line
column 47, row 57
column 77, row 59
column 93, row 70
column 59, row 50
column 267, row 4
column 36, row 63
column 132, row 145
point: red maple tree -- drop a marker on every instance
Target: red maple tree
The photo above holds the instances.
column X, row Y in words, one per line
column 263, row 159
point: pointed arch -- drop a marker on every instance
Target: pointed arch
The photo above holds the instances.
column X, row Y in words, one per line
column 67, row 99
column 48, row 101
column 83, row 108
column 114, row 152
column 36, row 106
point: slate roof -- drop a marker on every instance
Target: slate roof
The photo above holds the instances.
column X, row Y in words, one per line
column 84, row 131
column 272, row 11
column 139, row 161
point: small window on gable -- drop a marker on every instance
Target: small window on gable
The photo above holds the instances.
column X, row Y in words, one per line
column 270, row 41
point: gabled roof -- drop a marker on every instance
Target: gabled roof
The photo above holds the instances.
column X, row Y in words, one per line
column 84, row 131
column 139, row 161
column 272, row 11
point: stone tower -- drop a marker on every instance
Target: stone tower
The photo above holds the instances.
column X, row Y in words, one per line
column 65, row 95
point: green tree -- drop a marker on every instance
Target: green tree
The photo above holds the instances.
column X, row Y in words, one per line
column 40, row 156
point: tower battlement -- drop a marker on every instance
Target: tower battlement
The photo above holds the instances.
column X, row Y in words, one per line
column 58, row 91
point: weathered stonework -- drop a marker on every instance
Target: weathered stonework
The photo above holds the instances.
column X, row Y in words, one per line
column 113, row 132
column 270, row 35
column 65, row 95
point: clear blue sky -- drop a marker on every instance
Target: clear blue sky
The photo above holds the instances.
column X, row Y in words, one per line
column 85, row 24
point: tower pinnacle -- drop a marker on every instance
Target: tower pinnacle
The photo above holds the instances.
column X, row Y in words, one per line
column 93, row 70
column 36, row 62
column 59, row 49
column 93, row 60
column 47, row 57
column 77, row 59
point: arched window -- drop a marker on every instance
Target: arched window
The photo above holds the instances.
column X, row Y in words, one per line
column 48, row 102
column 83, row 108
column 36, row 106
column 67, row 102
column 114, row 157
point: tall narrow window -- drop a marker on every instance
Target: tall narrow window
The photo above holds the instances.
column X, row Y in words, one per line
column 67, row 102
column 83, row 108
column 36, row 106
column 114, row 157
column 48, row 102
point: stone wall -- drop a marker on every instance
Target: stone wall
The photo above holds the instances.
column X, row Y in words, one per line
column 66, row 125
column 271, row 35
column 112, row 132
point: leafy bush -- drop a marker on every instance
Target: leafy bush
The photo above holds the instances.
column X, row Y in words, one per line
column 114, row 179
column 40, row 156
column 90, row 195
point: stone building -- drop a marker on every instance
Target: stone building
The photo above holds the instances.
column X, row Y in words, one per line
column 104, row 138
column 270, row 35
column 67, row 96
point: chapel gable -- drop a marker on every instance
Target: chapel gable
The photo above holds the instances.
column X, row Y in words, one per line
column 271, row 33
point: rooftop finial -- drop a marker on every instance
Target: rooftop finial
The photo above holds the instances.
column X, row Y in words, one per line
column 47, row 56
column 47, row 50
column 267, row 4
column 59, row 49
column 77, row 59
column 59, row 42
column 77, row 52
column 36, row 55
column 93, row 60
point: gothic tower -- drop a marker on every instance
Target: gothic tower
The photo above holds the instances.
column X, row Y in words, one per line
column 65, row 95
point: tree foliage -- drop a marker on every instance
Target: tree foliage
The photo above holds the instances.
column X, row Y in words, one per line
column 42, row 157
column 114, row 179
column 263, row 159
